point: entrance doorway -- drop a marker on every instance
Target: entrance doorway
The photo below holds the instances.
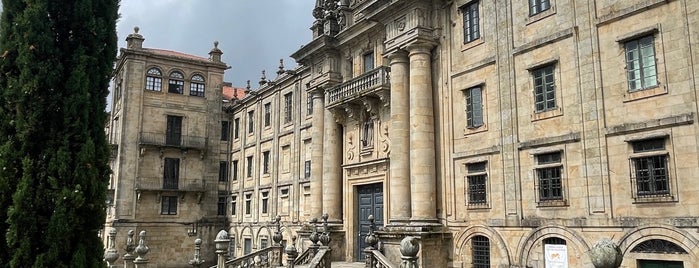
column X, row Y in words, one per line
column 369, row 202
column 659, row 264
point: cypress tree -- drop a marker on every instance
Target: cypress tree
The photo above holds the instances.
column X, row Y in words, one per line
column 56, row 60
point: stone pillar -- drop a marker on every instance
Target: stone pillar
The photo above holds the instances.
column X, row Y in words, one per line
column 399, row 186
column 291, row 253
column 221, row 242
column 423, row 192
column 111, row 255
column 317, row 152
column 141, row 250
column 196, row 261
column 129, row 248
column 332, row 170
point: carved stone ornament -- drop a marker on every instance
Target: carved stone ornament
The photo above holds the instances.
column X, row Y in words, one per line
column 400, row 24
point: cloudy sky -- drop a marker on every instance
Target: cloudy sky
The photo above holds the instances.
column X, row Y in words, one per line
column 253, row 34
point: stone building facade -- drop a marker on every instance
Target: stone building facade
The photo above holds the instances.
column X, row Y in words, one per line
column 500, row 133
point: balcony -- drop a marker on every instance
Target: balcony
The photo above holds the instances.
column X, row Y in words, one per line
column 181, row 141
column 371, row 82
column 181, row 185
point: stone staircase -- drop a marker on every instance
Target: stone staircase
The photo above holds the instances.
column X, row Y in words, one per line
column 339, row 265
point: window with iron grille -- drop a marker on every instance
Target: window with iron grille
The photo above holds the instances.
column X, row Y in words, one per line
column 480, row 251
column 196, row 87
column 222, row 204
column 265, row 162
column 288, row 107
column 544, row 88
column 649, row 168
column 171, row 173
column 176, row 83
column 554, row 241
column 548, row 173
column 471, row 21
column 154, row 80
column 268, row 114
column 168, row 205
column 477, row 187
column 474, row 107
column 538, row 6
column 223, row 171
column 641, row 71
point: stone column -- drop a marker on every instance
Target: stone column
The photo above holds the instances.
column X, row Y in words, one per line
column 317, row 153
column 399, row 186
column 332, row 170
column 422, row 163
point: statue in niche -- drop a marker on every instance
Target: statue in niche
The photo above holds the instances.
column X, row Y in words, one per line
column 368, row 134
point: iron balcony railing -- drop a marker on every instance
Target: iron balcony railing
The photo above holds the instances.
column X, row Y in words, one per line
column 160, row 184
column 161, row 139
column 358, row 86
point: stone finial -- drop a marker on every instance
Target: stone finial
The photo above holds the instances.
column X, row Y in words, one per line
column 606, row 254
column 142, row 249
column 277, row 237
column 371, row 238
column 409, row 247
column 196, row 261
column 318, row 11
column 263, row 79
column 111, row 255
column 135, row 40
column 325, row 237
column 314, row 235
column 281, row 67
column 290, row 250
column 215, row 53
column 130, row 246
column 221, row 244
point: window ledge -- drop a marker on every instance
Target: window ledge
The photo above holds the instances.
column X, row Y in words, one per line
column 655, row 199
column 645, row 93
column 552, row 203
column 541, row 15
column 474, row 130
column 472, row 44
column 555, row 112
column 484, row 206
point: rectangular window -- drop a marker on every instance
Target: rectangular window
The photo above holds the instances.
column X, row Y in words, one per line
column 154, row 83
column 223, row 171
column 175, row 86
column 249, row 163
column 251, row 121
column 265, row 202
column 477, row 187
column 548, row 173
column 173, row 132
column 247, row 246
column 225, row 130
column 171, row 173
column 640, row 64
column 307, row 169
column 234, row 205
column 222, row 203
column 368, row 62
column 263, row 243
column 196, row 89
column 236, row 128
column 288, row 107
column 231, row 247
column 309, row 104
column 168, row 205
column 471, row 22
column 265, row 162
column 474, row 107
column 248, row 204
column 538, row 6
column 650, row 168
column 268, row 114
column 235, row 170
column 544, row 88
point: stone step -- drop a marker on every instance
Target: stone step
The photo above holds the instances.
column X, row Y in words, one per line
column 339, row 265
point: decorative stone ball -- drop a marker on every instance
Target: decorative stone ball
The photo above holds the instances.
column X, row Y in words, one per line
column 197, row 241
column 222, row 240
column 314, row 237
column 605, row 254
column 111, row 255
column 371, row 240
column 325, row 239
column 409, row 246
column 277, row 237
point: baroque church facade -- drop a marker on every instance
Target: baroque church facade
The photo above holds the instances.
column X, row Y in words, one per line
column 500, row 133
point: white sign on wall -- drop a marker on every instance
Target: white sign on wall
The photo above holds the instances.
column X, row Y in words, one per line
column 556, row 256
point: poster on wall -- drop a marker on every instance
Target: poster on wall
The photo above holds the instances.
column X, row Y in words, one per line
column 556, row 256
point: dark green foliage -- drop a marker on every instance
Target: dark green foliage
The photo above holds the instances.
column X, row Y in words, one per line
column 55, row 63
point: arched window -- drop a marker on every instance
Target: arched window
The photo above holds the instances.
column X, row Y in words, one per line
column 554, row 241
column 480, row 251
column 154, row 79
column 176, row 83
column 658, row 246
column 196, row 87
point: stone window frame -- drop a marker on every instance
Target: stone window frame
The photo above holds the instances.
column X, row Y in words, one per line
column 472, row 174
column 469, row 129
column 289, row 108
column 222, row 204
column 365, row 60
column 154, row 81
column 284, row 193
column 671, row 195
column 467, row 21
column 268, row 114
column 266, row 163
column 247, row 205
column 480, row 251
column 197, row 85
column 658, row 50
column 541, row 166
column 225, row 130
column 236, row 128
column 234, row 204
column 249, row 167
column 251, row 122
column 264, row 202
column 167, row 201
column 540, row 14
column 234, row 169
column 175, row 79
column 223, row 170
column 558, row 109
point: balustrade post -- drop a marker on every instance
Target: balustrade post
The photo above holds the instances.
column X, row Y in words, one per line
column 111, row 255
column 409, row 247
column 221, row 244
column 196, row 261
column 291, row 253
column 277, row 238
column 129, row 248
column 371, row 240
column 314, row 237
column 141, row 250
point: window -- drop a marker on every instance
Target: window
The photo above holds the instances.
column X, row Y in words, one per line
column 649, row 166
column 554, row 241
column 248, row 204
column 307, row 169
column 249, row 162
column 231, row 248
column 251, row 122
column 222, row 203
column 171, row 173
column 235, row 170
column 474, row 107
column 309, row 104
column 471, row 21
column 538, row 6
column 268, row 114
column 544, row 88
column 223, row 171
column 247, row 246
column 480, row 250
column 265, row 162
column 368, row 62
column 548, row 173
column 225, row 130
column 168, row 205
column 263, row 243
column 234, row 204
column 236, row 128
column 368, row 134
column 288, row 107
column 640, row 63
column 477, row 188
column 176, row 83
column 196, row 87
column 154, row 79
column 173, row 132
column 265, row 202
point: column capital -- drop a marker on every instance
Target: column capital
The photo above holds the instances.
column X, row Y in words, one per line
column 397, row 56
column 420, row 47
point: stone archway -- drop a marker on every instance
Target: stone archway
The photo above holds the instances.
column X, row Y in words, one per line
column 684, row 241
column 498, row 258
column 531, row 250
